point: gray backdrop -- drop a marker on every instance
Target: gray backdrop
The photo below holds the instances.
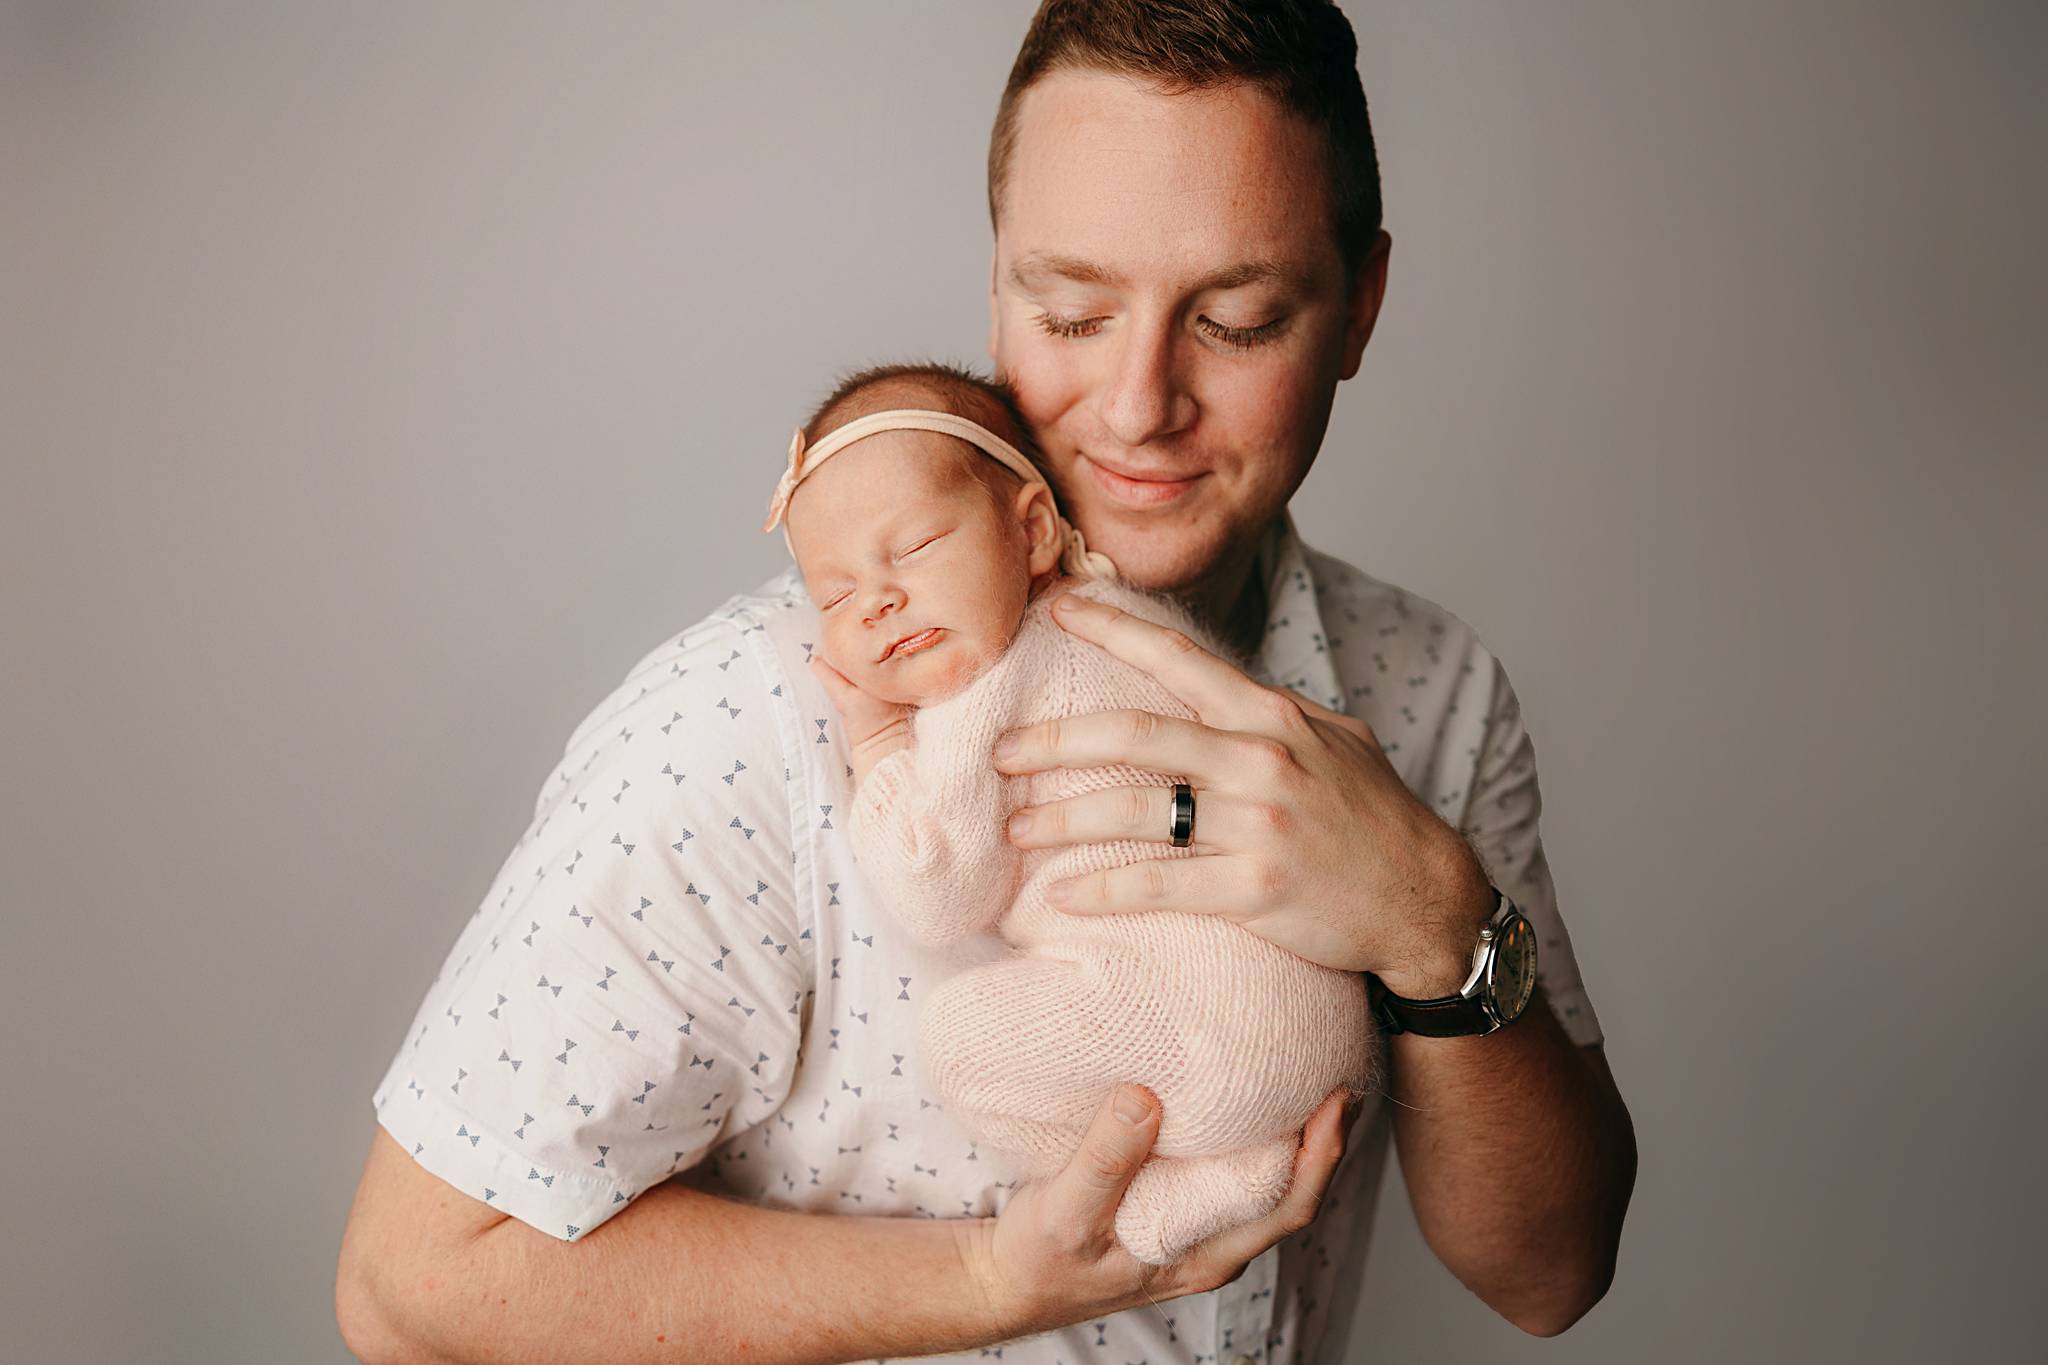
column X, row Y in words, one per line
column 380, row 381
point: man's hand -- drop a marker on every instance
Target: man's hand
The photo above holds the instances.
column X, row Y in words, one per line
column 1052, row 1257
column 874, row 729
column 1308, row 836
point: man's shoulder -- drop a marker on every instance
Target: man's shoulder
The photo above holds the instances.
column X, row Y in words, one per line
column 728, row 691
column 744, row 640
column 1413, row 670
column 1377, row 609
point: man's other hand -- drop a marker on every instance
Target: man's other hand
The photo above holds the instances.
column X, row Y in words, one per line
column 1052, row 1257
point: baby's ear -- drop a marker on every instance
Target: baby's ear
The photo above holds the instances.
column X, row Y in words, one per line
column 1041, row 521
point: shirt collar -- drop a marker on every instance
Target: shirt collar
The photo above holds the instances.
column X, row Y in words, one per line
column 1296, row 650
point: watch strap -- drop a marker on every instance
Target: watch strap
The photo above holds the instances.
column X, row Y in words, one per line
column 1447, row 1016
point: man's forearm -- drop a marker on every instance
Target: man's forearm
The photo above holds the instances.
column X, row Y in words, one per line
column 1519, row 1158
column 680, row 1275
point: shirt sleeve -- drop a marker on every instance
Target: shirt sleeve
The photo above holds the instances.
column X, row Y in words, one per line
column 1500, row 820
column 630, row 993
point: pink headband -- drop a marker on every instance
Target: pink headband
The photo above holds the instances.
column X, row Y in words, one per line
column 1075, row 556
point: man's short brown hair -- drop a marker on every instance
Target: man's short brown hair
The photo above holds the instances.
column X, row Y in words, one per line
column 1300, row 52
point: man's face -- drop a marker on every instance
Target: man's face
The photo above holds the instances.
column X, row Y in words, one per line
column 1170, row 304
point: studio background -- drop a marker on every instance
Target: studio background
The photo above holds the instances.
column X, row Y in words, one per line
column 380, row 382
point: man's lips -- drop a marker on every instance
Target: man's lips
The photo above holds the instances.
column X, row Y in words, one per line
column 910, row 644
column 1134, row 489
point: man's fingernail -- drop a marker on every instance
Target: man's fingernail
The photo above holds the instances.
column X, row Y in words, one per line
column 1068, row 602
column 1057, row 895
column 1006, row 747
column 1020, row 824
column 1129, row 1107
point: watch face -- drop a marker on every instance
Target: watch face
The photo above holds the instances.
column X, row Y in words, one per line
column 1514, row 967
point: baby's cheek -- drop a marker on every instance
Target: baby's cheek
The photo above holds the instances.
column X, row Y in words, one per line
column 960, row 671
column 965, row 664
column 873, row 681
column 881, row 682
column 850, row 657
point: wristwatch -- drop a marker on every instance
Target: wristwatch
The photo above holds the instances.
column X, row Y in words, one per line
column 1503, row 977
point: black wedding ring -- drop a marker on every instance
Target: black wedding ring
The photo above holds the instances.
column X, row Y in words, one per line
column 1183, row 814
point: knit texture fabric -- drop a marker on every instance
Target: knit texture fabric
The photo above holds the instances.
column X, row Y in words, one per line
column 1239, row 1039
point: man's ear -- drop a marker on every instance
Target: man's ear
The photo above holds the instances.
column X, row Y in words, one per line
column 1362, row 308
column 1041, row 522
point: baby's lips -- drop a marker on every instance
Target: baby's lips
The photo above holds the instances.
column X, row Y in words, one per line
column 890, row 652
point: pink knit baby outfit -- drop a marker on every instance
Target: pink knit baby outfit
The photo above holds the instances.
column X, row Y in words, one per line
column 1239, row 1039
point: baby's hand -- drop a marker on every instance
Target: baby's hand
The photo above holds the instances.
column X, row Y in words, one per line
column 874, row 728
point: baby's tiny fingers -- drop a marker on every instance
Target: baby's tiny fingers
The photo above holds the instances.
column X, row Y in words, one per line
column 834, row 682
column 860, row 711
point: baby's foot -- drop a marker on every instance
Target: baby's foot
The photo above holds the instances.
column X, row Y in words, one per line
column 1175, row 1202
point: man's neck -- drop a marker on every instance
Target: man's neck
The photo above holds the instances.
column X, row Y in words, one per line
column 1231, row 602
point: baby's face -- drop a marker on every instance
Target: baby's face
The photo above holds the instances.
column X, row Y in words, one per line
column 920, row 571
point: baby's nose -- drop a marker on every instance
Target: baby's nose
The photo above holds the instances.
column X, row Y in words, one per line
column 884, row 602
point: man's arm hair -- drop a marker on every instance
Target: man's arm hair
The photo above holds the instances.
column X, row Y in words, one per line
column 430, row 1276
column 1520, row 1157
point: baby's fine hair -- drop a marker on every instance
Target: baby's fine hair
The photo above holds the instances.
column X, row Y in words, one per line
column 959, row 391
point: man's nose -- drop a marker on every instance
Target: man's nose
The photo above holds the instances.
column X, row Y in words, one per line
column 1143, row 397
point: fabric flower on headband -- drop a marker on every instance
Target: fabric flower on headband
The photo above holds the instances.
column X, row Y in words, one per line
column 786, row 485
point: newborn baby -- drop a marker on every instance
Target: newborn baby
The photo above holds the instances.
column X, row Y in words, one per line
column 933, row 550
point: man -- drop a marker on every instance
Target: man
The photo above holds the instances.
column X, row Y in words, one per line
column 678, row 973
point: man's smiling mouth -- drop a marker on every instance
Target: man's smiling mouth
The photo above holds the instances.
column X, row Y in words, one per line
column 1132, row 491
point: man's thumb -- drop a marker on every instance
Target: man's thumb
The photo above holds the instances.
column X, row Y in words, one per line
column 1117, row 1141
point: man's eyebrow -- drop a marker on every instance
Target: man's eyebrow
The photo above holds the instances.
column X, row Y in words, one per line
column 1028, row 270
column 1260, row 271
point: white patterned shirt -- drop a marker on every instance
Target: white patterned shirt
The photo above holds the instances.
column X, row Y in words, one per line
column 678, row 972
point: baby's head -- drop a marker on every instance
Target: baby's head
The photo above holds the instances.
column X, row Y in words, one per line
column 920, row 551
